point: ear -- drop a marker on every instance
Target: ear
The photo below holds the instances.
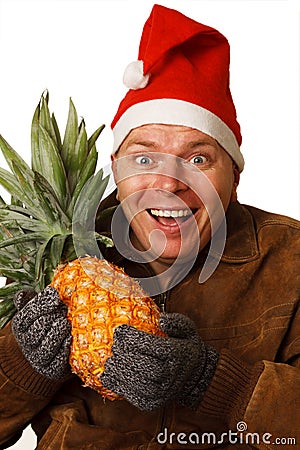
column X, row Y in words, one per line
column 113, row 166
column 114, row 171
column 236, row 180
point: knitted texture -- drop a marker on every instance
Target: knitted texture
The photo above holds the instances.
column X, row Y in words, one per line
column 43, row 332
column 149, row 370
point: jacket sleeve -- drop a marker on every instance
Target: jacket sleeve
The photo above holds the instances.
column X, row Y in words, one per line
column 23, row 391
column 263, row 398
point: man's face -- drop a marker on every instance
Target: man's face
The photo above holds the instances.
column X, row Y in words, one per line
column 171, row 180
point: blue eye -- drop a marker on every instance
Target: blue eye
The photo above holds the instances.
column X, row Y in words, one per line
column 198, row 159
column 143, row 160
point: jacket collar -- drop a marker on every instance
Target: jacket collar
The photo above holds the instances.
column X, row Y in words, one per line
column 241, row 243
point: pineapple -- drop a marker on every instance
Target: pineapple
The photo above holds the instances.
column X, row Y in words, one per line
column 44, row 240
column 100, row 297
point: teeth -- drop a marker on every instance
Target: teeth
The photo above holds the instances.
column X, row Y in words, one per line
column 168, row 213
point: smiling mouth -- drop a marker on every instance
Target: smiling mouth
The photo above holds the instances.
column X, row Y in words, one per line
column 171, row 217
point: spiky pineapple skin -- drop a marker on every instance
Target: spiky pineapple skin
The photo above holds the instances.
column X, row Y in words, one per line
column 100, row 296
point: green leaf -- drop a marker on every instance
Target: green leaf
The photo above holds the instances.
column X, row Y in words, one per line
column 69, row 253
column 70, row 137
column 45, row 119
column 15, row 274
column 60, row 221
column 36, row 162
column 57, row 133
column 80, row 153
column 4, row 320
column 39, row 262
column 42, row 118
column 87, row 171
column 53, row 168
column 17, row 208
column 20, row 183
column 7, row 310
column 107, row 241
column 16, row 202
column 86, row 207
column 13, row 158
column 87, row 203
column 11, row 185
column 9, row 289
column 19, row 255
column 92, row 140
column 34, row 236
column 12, row 219
column 7, row 259
column 31, row 198
column 56, row 249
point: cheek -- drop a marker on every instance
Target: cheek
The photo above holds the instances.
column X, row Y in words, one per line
column 223, row 184
column 129, row 186
column 131, row 194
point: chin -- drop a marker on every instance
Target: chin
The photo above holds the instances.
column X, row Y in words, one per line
column 179, row 254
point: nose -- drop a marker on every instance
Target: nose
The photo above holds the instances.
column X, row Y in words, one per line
column 170, row 178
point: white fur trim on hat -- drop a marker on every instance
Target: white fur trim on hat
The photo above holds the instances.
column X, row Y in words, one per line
column 178, row 112
column 134, row 77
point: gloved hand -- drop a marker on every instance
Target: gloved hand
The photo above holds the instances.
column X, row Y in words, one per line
column 149, row 370
column 43, row 332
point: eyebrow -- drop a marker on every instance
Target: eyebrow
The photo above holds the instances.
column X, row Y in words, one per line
column 201, row 142
column 137, row 142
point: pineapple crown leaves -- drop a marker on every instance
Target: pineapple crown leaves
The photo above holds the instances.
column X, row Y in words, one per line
column 85, row 241
column 36, row 227
column 68, row 165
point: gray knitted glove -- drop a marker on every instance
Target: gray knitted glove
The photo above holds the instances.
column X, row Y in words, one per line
column 149, row 370
column 43, row 332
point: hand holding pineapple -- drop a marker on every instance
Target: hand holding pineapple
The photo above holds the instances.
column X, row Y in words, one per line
column 150, row 370
column 43, row 332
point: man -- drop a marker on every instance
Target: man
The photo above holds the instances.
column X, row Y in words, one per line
column 228, row 371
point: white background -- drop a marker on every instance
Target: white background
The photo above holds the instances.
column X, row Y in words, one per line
column 79, row 49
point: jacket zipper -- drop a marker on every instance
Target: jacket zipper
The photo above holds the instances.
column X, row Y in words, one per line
column 162, row 303
column 162, row 300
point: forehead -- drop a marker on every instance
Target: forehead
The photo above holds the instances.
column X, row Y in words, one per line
column 159, row 134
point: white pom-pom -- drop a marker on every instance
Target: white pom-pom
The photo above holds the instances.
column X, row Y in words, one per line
column 134, row 77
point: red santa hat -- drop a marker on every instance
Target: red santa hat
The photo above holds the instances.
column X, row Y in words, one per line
column 181, row 77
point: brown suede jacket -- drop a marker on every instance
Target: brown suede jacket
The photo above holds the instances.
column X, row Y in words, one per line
column 248, row 309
